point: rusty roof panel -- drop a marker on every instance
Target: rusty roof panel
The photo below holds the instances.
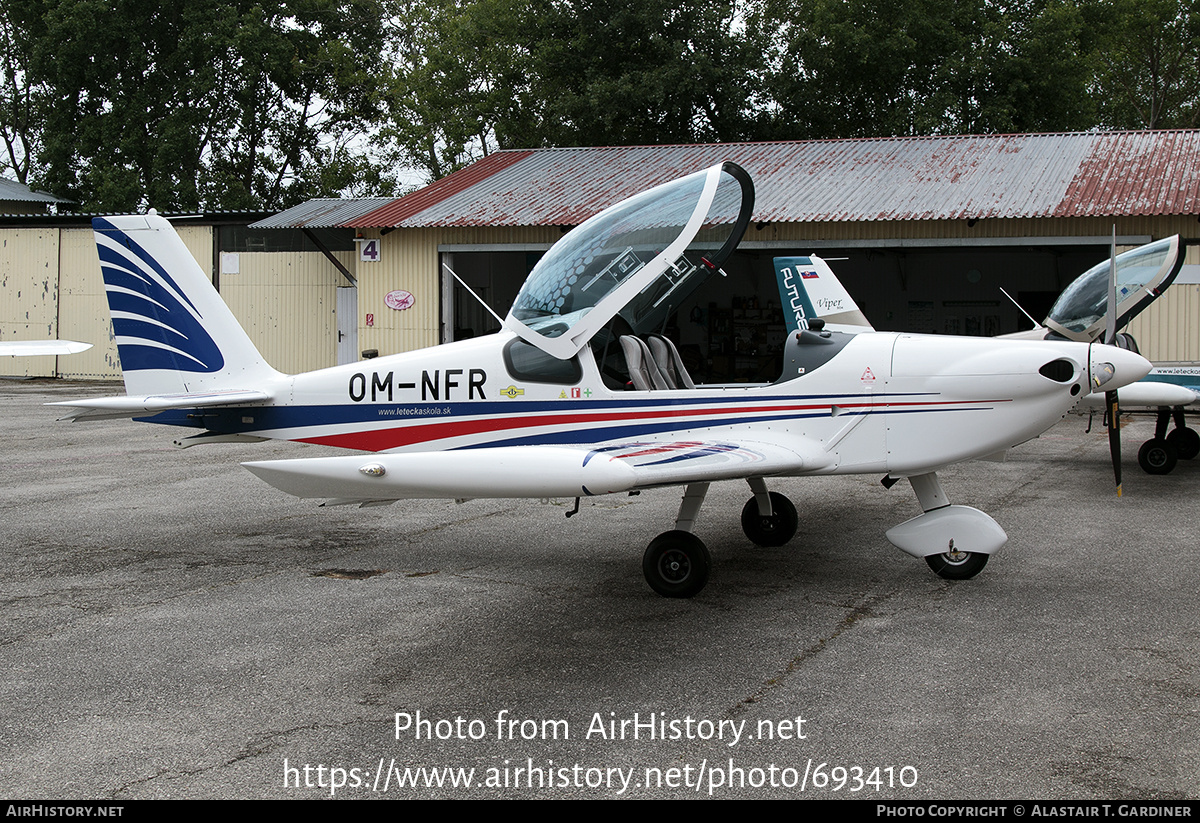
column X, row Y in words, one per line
column 909, row 178
column 396, row 212
column 1137, row 173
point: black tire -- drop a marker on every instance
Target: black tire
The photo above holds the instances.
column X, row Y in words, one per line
column 676, row 564
column 775, row 530
column 1157, row 456
column 957, row 565
column 1186, row 443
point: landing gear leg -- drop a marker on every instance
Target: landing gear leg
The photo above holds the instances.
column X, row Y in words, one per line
column 677, row 563
column 1186, row 441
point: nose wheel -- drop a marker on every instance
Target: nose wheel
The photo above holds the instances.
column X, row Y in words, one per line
column 956, row 565
column 1159, row 454
column 676, row 564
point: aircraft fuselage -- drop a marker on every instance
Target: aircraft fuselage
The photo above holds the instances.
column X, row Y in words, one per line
column 906, row 392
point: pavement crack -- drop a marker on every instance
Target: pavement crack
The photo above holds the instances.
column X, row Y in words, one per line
column 848, row 621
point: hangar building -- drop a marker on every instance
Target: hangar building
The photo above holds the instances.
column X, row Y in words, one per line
column 923, row 231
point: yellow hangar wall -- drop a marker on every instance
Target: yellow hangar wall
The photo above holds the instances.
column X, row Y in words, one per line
column 29, row 296
column 409, row 261
column 51, row 287
column 287, row 303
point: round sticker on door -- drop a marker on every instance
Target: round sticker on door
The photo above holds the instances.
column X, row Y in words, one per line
column 399, row 300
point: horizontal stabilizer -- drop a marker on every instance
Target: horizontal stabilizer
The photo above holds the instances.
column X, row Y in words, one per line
column 37, row 348
column 102, row 408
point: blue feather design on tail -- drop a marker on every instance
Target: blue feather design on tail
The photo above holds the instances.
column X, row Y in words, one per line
column 153, row 326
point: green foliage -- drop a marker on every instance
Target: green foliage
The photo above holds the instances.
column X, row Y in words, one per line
column 607, row 72
column 473, row 76
column 869, row 68
column 208, row 103
column 21, row 120
column 456, row 71
column 1147, row 62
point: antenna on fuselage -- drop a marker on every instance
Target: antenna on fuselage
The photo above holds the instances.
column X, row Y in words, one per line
column 1035, row 323
column 463, row 283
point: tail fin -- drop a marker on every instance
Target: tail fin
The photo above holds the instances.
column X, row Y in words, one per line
column 808, row 289
column 174, row 333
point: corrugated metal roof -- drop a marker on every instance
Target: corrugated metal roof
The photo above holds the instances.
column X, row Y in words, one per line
column 322, row 213
column 12, row 190
column 437, row 192
column 907, row 178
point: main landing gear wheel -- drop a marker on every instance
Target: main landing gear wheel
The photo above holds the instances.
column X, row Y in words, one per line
column 1157, row 456
column 957, row 565
column 676, row 564
column 775, row 530
column 1186, row 443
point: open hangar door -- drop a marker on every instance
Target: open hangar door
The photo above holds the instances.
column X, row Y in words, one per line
column 495, row 276
column 955, row 290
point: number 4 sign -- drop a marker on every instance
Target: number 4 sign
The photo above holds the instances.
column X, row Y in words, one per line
column 368, row 251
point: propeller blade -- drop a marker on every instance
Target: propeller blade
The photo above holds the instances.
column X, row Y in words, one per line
column 1110, row 337
column 1110, row 322
column 1114, row 435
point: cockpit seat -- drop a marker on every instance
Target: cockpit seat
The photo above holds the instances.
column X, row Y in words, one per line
column 643, row 371
column 666, row 357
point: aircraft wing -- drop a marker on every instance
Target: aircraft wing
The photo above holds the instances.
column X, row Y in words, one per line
column 104, row 408
column 538, row 471
column 1145, row 393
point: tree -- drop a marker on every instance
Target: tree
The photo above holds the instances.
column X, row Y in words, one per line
column 1147, row 58
column 608, row 72
column 209, row 103
column 870, row 68
column 457, row 69
column 20, row 112
column 470, row 77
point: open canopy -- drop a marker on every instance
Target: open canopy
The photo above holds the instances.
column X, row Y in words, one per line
column 638, row 259
column 1142, row 274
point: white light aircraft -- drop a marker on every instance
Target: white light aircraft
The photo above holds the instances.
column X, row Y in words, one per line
column 569, row 400
column 1095, row 306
